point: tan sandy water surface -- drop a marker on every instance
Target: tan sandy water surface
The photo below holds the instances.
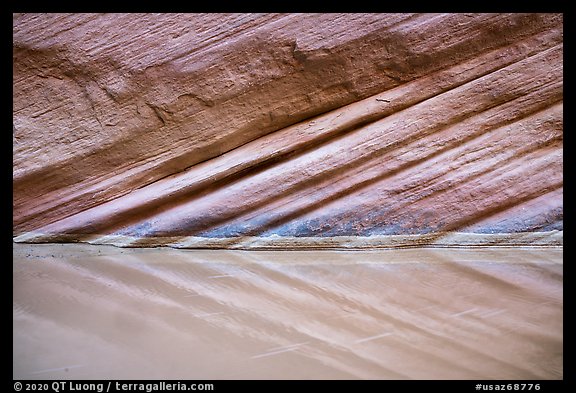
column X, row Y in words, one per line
column 91, row 312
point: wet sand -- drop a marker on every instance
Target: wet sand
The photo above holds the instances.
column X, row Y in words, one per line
column 94, row 312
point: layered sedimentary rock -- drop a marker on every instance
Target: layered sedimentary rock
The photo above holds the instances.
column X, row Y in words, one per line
column 288, row 130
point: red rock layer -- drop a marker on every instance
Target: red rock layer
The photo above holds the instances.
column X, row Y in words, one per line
column 298, row 125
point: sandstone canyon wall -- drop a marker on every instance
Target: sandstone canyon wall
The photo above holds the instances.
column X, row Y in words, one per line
column 288, row 130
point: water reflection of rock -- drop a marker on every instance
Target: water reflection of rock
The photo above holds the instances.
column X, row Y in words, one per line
column 102, row 312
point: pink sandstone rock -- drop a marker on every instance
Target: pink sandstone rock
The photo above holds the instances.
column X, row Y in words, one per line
column 221, row 130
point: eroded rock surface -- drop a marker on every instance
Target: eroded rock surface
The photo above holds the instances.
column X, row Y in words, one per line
column 139, row 129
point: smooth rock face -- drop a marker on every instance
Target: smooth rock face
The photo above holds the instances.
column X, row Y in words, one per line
column 141, row 129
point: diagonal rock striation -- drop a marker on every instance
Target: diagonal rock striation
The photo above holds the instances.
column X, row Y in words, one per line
column 288, row 130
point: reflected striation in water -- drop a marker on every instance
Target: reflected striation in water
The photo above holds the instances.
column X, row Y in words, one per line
column 91, row 312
